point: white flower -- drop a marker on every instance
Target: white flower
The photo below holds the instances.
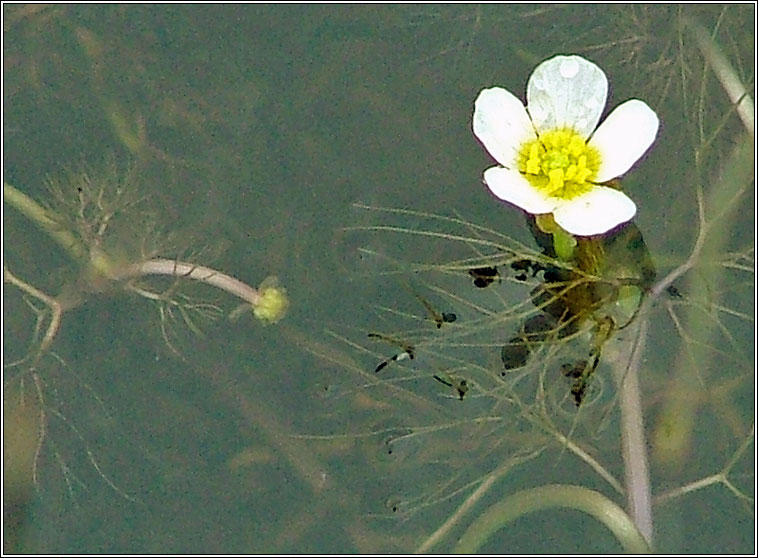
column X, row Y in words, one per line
column 553, row 159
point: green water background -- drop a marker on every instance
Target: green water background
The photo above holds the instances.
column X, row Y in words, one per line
column 260, row 126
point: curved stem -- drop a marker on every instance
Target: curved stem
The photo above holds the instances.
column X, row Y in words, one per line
column 186, row 270
column 554, row 496
column 472, row 500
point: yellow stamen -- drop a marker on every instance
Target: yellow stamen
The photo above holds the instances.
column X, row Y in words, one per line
column 559, row 163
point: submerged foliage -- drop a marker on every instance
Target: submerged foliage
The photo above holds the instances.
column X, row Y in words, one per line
column 323, row 434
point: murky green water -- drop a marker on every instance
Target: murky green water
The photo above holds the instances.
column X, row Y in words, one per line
column 263, row 138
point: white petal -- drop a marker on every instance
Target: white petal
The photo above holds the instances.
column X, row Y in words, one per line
column 566, row 91
column 510, row 186
column 623, row 138
column 595, row 212
column 501, row 124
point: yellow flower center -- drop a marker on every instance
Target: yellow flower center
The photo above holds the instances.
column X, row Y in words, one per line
column 559, row 163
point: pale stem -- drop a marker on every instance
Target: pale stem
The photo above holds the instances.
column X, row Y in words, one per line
column 738, row 94
column 184, row 270
column 56, row 310
column 633, row 445
column 553, row 496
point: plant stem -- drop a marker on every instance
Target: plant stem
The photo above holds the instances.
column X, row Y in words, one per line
column 471, row 501
column 46, row 220
column 633, row 445
column 553, row 496
column 736, row 91
column 186, row 270
column 56, row 310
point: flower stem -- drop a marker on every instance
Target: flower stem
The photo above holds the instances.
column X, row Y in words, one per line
column 196, row 272
column 633, row 442
column 553, row 496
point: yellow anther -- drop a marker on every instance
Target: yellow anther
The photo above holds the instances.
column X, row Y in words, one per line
column 576, row 146
column 556, row 180
column 533, row 163
column 583, row 175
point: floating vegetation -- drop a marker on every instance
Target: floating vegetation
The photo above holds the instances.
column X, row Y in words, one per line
column 458, row 369
column 528, row 360
column 553, row 335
